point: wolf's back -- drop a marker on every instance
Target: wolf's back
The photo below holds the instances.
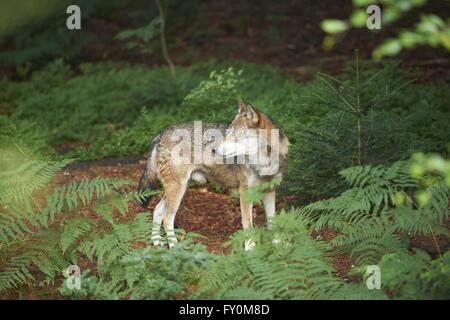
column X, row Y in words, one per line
column 161, row 146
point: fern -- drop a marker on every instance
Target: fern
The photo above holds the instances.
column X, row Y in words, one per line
column 16, row 219
column 116, row 242
column 42, row 230
column 296, row 268
column 148, row 273
column 374, row 218
column 358, row 291
column 379, row 208
column 18, row 181
column 416, row 276
column 72, row 232
column 43, row 254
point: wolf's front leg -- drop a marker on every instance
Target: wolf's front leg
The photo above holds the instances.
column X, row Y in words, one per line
column 269, row 208
column 247, row 218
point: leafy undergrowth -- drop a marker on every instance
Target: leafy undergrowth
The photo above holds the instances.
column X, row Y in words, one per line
column 108, row 239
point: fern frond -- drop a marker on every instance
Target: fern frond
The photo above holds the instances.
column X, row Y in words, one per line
column 298, row 267
column 369, row 217
column 72, row 232
column 19, row 182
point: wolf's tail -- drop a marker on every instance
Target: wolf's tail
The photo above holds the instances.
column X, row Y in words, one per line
column 149, row 179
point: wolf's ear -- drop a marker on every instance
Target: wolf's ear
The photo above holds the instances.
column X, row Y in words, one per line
column 242, row 106
column 252, row 114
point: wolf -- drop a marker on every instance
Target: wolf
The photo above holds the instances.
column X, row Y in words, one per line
column 231, row 148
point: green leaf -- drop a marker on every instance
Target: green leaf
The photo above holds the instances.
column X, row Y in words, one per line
column 358, row 18
column 334, row 26
column 105, row 211
column 410, row 39
column 389, row 15
column 390, row 47
column 73, row 231
column 363, row 3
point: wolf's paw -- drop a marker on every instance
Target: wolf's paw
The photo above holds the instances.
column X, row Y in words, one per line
column 157, row 243
column 172, row 243
column 157, row 240
column 249, row 245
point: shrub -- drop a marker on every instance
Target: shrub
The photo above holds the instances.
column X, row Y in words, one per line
column 391, row 121
column 148, row 273
column 39, row 33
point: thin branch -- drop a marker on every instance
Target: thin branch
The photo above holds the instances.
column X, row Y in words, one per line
column 389, row 94
column 334, row 79
column 337, row 93
column 330, row 103
column 436, row 243
column 372, row 77
column 358, row 109
column 165, row 52
column 401, row 87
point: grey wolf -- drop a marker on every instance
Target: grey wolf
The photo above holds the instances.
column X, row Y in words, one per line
column 231, row 149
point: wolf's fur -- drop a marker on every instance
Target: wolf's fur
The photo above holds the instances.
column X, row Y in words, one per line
column 175, row 177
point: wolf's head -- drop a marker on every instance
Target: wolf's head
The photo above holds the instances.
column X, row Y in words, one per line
column 247, row 117
column 249, row 133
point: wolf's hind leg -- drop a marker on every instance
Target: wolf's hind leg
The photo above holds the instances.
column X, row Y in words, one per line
column 174, row 195
column 158, row 215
